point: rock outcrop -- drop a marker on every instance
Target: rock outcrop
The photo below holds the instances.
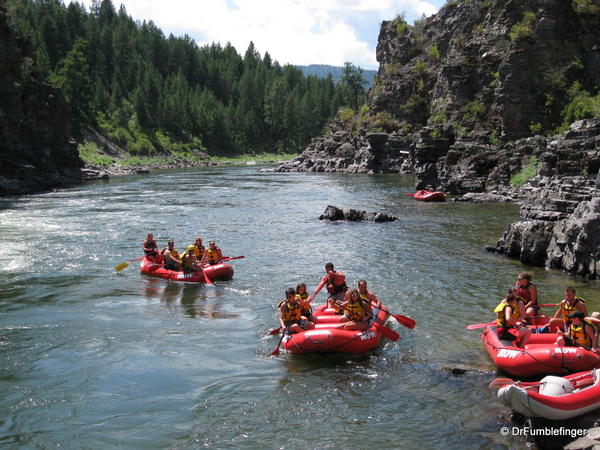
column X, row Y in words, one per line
column 334, row 213
column 36, row 150
column 460, row 99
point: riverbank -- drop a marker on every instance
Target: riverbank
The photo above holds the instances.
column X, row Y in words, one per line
column 105, row 159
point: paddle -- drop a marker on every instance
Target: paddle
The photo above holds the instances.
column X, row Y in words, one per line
column 227, row 258
column 550, row 304
column 276, row 351
column 475, row 326
column 206, row 279
column 124, row 265
column 403, row 320
column 274, row 331
column 410, row 195
column 387, row 332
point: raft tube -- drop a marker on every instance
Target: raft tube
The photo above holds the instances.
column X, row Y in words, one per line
column 219, row 271
column 326, row 339
column 539, row 356
column 554, row 398
column 429, row 196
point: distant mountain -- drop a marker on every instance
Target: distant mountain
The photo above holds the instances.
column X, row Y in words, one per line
column 322, row 70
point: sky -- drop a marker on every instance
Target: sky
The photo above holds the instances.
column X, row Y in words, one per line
column 299, row 32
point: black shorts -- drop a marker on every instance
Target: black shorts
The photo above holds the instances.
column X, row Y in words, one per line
column 504, row 334
column 171, row 266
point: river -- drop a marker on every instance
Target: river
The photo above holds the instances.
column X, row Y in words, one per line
column 92, row 358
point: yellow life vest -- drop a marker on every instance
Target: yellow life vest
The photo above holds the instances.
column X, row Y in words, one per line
column 199, row 252
column 186, row 263
column 174, row 253
column 578, row 334
column 566, row 309
column 501, row 315
column 291, row 313
column 303, row 303
column 213, row 256
column 356, row 311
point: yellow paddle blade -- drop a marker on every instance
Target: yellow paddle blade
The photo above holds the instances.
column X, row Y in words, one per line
column 121, row 266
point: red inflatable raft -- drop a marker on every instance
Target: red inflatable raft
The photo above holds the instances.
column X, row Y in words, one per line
column 429, row 196
column 539, row 355
column 219, row 271
column 326, row 339
column 555, row 398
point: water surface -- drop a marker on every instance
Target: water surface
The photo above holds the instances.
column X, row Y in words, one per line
column 90, row 358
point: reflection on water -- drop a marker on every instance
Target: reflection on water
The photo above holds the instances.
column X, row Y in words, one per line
column 195, row 299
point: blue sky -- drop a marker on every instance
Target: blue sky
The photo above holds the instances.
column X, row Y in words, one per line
column 293, row 31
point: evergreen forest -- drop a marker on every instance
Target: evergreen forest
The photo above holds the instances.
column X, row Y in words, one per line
column 154, row 94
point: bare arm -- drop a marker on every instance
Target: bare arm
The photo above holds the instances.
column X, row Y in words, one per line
column 318, row 288
column 281, row 312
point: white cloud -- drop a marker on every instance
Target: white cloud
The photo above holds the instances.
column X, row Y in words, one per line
column 292, row 31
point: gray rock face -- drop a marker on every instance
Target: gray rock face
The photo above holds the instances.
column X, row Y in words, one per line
column 559, row 227
column 36, row 152
column 334, row 213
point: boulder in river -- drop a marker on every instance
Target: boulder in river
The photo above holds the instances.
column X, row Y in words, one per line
column 334, row 213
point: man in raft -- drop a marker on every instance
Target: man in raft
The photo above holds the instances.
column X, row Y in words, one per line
column 290, row 314
column 508, row 319
column 171, row 257
column 580, row 333
column 566, row 307
column 150, row 248
column 336, row 286
column 368, row 295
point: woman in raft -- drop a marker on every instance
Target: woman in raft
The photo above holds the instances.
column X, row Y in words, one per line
column 357, row 312
column 528, row 292
column 508, row 319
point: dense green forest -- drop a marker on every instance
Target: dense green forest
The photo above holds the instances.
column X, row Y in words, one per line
column 153, row 93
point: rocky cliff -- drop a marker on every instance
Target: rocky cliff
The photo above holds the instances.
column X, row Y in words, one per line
column 36, row 152
column 472, row 97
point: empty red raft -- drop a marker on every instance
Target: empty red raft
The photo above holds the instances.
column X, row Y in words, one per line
column 219, row 271
column 539, row 355
column 554, row 398
column 429, row 196
column 326, row 339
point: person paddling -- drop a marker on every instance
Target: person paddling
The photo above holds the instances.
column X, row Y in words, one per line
column 370, row 296
column 150, row 247
column 508, row 319
column 171, row 257
column 303, row 299
column 213, row 255
column 357, row 312
column 188, row 260
column 336, row 286
column 290, row 314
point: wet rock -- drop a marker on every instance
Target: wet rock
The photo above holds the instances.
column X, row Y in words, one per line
column 334, row 213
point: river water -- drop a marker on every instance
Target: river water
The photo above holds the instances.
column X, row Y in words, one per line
column 91, row 358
